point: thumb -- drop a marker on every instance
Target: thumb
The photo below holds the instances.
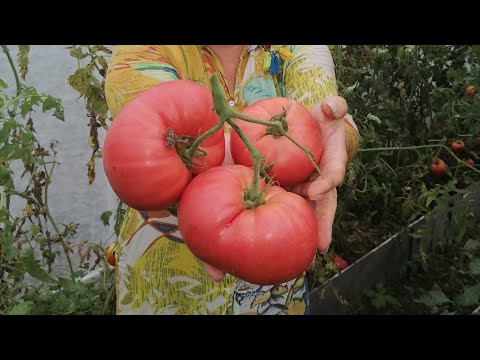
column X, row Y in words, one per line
column 333, row 107
column 216, row 274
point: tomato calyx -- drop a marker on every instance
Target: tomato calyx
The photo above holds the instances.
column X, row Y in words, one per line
column 184, row 145
column 252, row 200
column 278, row 118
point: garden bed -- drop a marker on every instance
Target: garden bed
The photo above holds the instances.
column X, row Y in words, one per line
column 448, row 224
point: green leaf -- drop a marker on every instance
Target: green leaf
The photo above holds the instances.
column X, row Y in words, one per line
column 349, row 89
column 22, row 59
column 430, row 197
column 78, row 54
column 392, row 300
column 34, row 230
column 374, row 118
column 32, row 266
column 446, row 312
column 10, row 253
column 379, row 302
column 106, row 217
column 67, row 284
column 433, row 298
column 59, row 114
column 26, row 107
column 3, row 85
column 82, row 79
column 5, row 176
column 63, row 302
column 102, row 62
column 11, row 152
column 471, row 246
column 470, row 296
column 475, row 266
column 104, row 49
column 21, row 309
column 49, row 103
column 6, row 130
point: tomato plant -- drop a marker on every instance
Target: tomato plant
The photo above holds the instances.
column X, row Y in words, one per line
column 290, row 164
column 150, row 151
column 477, row 141
column 267, row 243
column 457, row 146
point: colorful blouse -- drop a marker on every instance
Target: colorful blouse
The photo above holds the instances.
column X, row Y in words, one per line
column 155, row 272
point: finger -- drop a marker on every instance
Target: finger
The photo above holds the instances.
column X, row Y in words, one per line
column 216, row 274
column 325, row 208
column 333, row 164
column 301, row 189
column 334, row 107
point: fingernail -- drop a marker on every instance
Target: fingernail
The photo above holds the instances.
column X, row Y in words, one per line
column 332, row 106
column 325, row 251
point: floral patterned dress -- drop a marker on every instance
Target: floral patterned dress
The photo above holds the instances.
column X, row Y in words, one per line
column 155, row 271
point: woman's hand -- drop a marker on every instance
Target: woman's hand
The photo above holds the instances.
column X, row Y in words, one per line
column 321, row 190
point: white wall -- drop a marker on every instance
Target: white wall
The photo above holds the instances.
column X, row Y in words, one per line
column 71, row 198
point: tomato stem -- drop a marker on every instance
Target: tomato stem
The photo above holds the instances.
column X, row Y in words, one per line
column 253, row 197
column 12, row 65
column 279, row 128
column 192, row 150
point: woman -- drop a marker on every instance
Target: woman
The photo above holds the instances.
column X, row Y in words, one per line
column 155, row 272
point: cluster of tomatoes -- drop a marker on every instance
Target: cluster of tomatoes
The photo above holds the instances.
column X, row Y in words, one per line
column 151, row 161
column 439, row 168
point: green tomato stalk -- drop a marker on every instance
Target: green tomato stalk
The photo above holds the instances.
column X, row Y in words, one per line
column 276, row 126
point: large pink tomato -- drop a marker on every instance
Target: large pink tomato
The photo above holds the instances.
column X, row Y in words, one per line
column 291, row 165
column 144, row 149
column 270, row 244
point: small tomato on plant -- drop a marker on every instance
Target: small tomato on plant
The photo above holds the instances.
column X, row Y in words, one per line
column 470, row 91
column 457, row 146
column 462, row 182
column 110, row 254
column 340, row 262
column 438, row 168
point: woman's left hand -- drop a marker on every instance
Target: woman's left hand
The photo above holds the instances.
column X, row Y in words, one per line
column 321, row 190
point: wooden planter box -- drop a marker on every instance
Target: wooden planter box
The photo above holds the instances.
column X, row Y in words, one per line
column 384, row 262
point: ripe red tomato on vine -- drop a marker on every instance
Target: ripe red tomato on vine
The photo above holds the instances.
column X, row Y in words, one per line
column 438, row 168
column 457, row 146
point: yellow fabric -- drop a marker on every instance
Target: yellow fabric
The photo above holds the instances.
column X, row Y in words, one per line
column 155, row 272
